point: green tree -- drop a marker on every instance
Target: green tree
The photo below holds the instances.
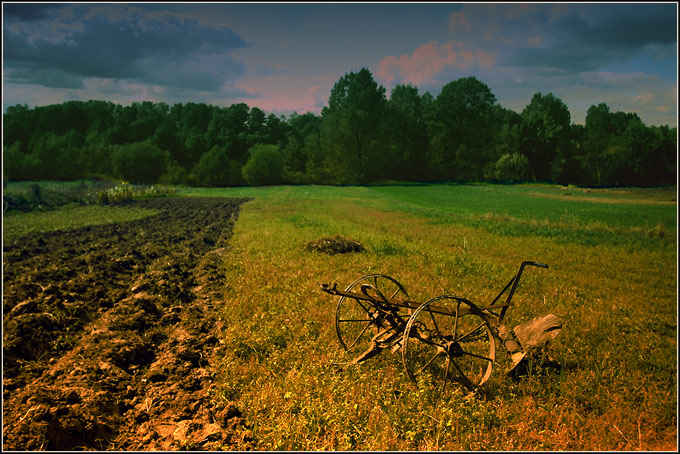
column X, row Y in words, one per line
column 195, row 145
column 302, row 155
column 235, row 131
column 512, row 168
column 264, row 166
column 175, row 174
column 18, row 165
column 216, row 169
column 618, row 149
column 662, row 165
column 545, row 131
column 304, row 124
column 407, row 134
column 61, row 155
column 294, row 160
column 350, row 127
column 461, row 131
column 166, row 138
column 139, row 162
column 316, row 170
column 17, row 124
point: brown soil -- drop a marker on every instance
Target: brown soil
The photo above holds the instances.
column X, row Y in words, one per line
column 332, row 245
column 110, row 333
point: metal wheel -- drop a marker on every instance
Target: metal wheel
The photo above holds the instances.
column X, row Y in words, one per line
column 356, row 321
column 449, row 338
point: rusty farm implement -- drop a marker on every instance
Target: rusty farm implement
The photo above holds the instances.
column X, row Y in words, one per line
column 448, row 337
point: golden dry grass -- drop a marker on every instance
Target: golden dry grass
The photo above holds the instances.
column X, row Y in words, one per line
column 616, row 389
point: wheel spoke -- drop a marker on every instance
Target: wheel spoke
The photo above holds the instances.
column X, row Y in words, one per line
column 446, row 375
column 436, row 327
column 359, row 336
column 465, row 336
column 455, row 323
column 429, row 342
column 470, row 332
column 478, row 356
column 467, row 380
column 422, row 339
column 428, row 363
column 395, row 293
column 361, row 304
column 357, row 319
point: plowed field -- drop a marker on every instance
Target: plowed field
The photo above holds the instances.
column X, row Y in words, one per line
column 110, row 332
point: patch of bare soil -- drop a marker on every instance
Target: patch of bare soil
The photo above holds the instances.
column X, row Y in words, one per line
column 332, row 245
column 110, row 332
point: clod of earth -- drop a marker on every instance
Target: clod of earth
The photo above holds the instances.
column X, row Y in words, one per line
column 334, row 245
column 110, row 332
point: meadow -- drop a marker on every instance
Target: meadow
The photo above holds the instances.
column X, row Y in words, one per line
column 612, row 278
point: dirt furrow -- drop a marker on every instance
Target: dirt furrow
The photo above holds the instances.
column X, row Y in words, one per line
column 109, row 333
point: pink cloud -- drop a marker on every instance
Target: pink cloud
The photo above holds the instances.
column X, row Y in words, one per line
column 292, row 98
column 430, row 59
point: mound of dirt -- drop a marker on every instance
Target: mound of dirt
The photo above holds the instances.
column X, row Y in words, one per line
column 110, row 333
column 334, row 245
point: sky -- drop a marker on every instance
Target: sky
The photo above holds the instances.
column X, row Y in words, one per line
column 286, row 57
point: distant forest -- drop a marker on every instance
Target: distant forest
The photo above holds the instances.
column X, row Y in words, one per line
column 462, row 135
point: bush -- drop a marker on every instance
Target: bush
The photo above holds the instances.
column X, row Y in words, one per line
column 119, row 194
column 216, row 169
column 140, row 162
column 264, row 166
column 175, row 174
column 512, row 167
column 21, row 166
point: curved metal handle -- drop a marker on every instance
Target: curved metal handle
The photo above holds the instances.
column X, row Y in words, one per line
column 514, row 282
column 541, row 265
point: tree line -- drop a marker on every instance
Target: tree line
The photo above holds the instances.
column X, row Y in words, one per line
column 462, row 135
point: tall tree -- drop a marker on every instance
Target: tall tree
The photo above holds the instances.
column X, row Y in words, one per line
column 462, row 129
column 350, row 127
column 545, row 132
column 407, row 134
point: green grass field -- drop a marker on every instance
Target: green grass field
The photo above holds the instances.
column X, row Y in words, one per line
column 16, row 225
column 612, row 279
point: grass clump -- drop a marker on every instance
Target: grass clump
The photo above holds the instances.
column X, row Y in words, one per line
column 332, row 245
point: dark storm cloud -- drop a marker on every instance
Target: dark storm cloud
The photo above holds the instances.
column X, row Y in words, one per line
column 581, row 42
column 158, row 49
column 48, row 77
column 28, row 11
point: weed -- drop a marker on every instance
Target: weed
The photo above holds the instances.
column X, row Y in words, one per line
column 117, row 195
column 124, row 193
